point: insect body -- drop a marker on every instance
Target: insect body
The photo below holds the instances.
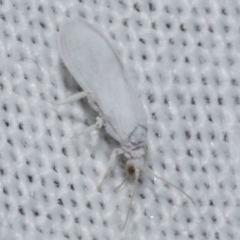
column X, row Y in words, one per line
column 97, row 69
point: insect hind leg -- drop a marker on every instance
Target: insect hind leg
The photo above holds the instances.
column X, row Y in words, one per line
column 111, row 164
column 71, row 99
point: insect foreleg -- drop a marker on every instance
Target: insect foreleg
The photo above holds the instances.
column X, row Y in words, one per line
column 111, row 164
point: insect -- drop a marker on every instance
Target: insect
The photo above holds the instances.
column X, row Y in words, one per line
column 94, row 64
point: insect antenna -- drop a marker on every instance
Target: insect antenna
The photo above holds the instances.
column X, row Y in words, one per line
column 150, row 172
column 137, row 172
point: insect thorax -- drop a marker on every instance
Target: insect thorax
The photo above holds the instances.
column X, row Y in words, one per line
column 134, row 146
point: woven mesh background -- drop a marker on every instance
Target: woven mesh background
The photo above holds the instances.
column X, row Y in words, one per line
column 184, row 59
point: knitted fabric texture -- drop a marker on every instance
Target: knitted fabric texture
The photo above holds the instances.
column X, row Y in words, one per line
column 183, row 57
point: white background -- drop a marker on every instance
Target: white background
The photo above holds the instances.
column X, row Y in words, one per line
column 184, row 60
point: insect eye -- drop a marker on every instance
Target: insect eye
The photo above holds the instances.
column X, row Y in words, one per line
column 131, row 170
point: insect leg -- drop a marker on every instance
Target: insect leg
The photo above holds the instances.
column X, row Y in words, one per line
column 98, row 124
column 111, row 164
column 72, row 98
column 124, row 180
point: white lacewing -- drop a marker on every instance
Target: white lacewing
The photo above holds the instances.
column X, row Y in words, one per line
column 94, row 64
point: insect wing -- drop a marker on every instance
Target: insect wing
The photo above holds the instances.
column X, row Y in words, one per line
column 95, row 66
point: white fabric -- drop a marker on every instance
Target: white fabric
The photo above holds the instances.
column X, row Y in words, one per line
column 183, row 58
